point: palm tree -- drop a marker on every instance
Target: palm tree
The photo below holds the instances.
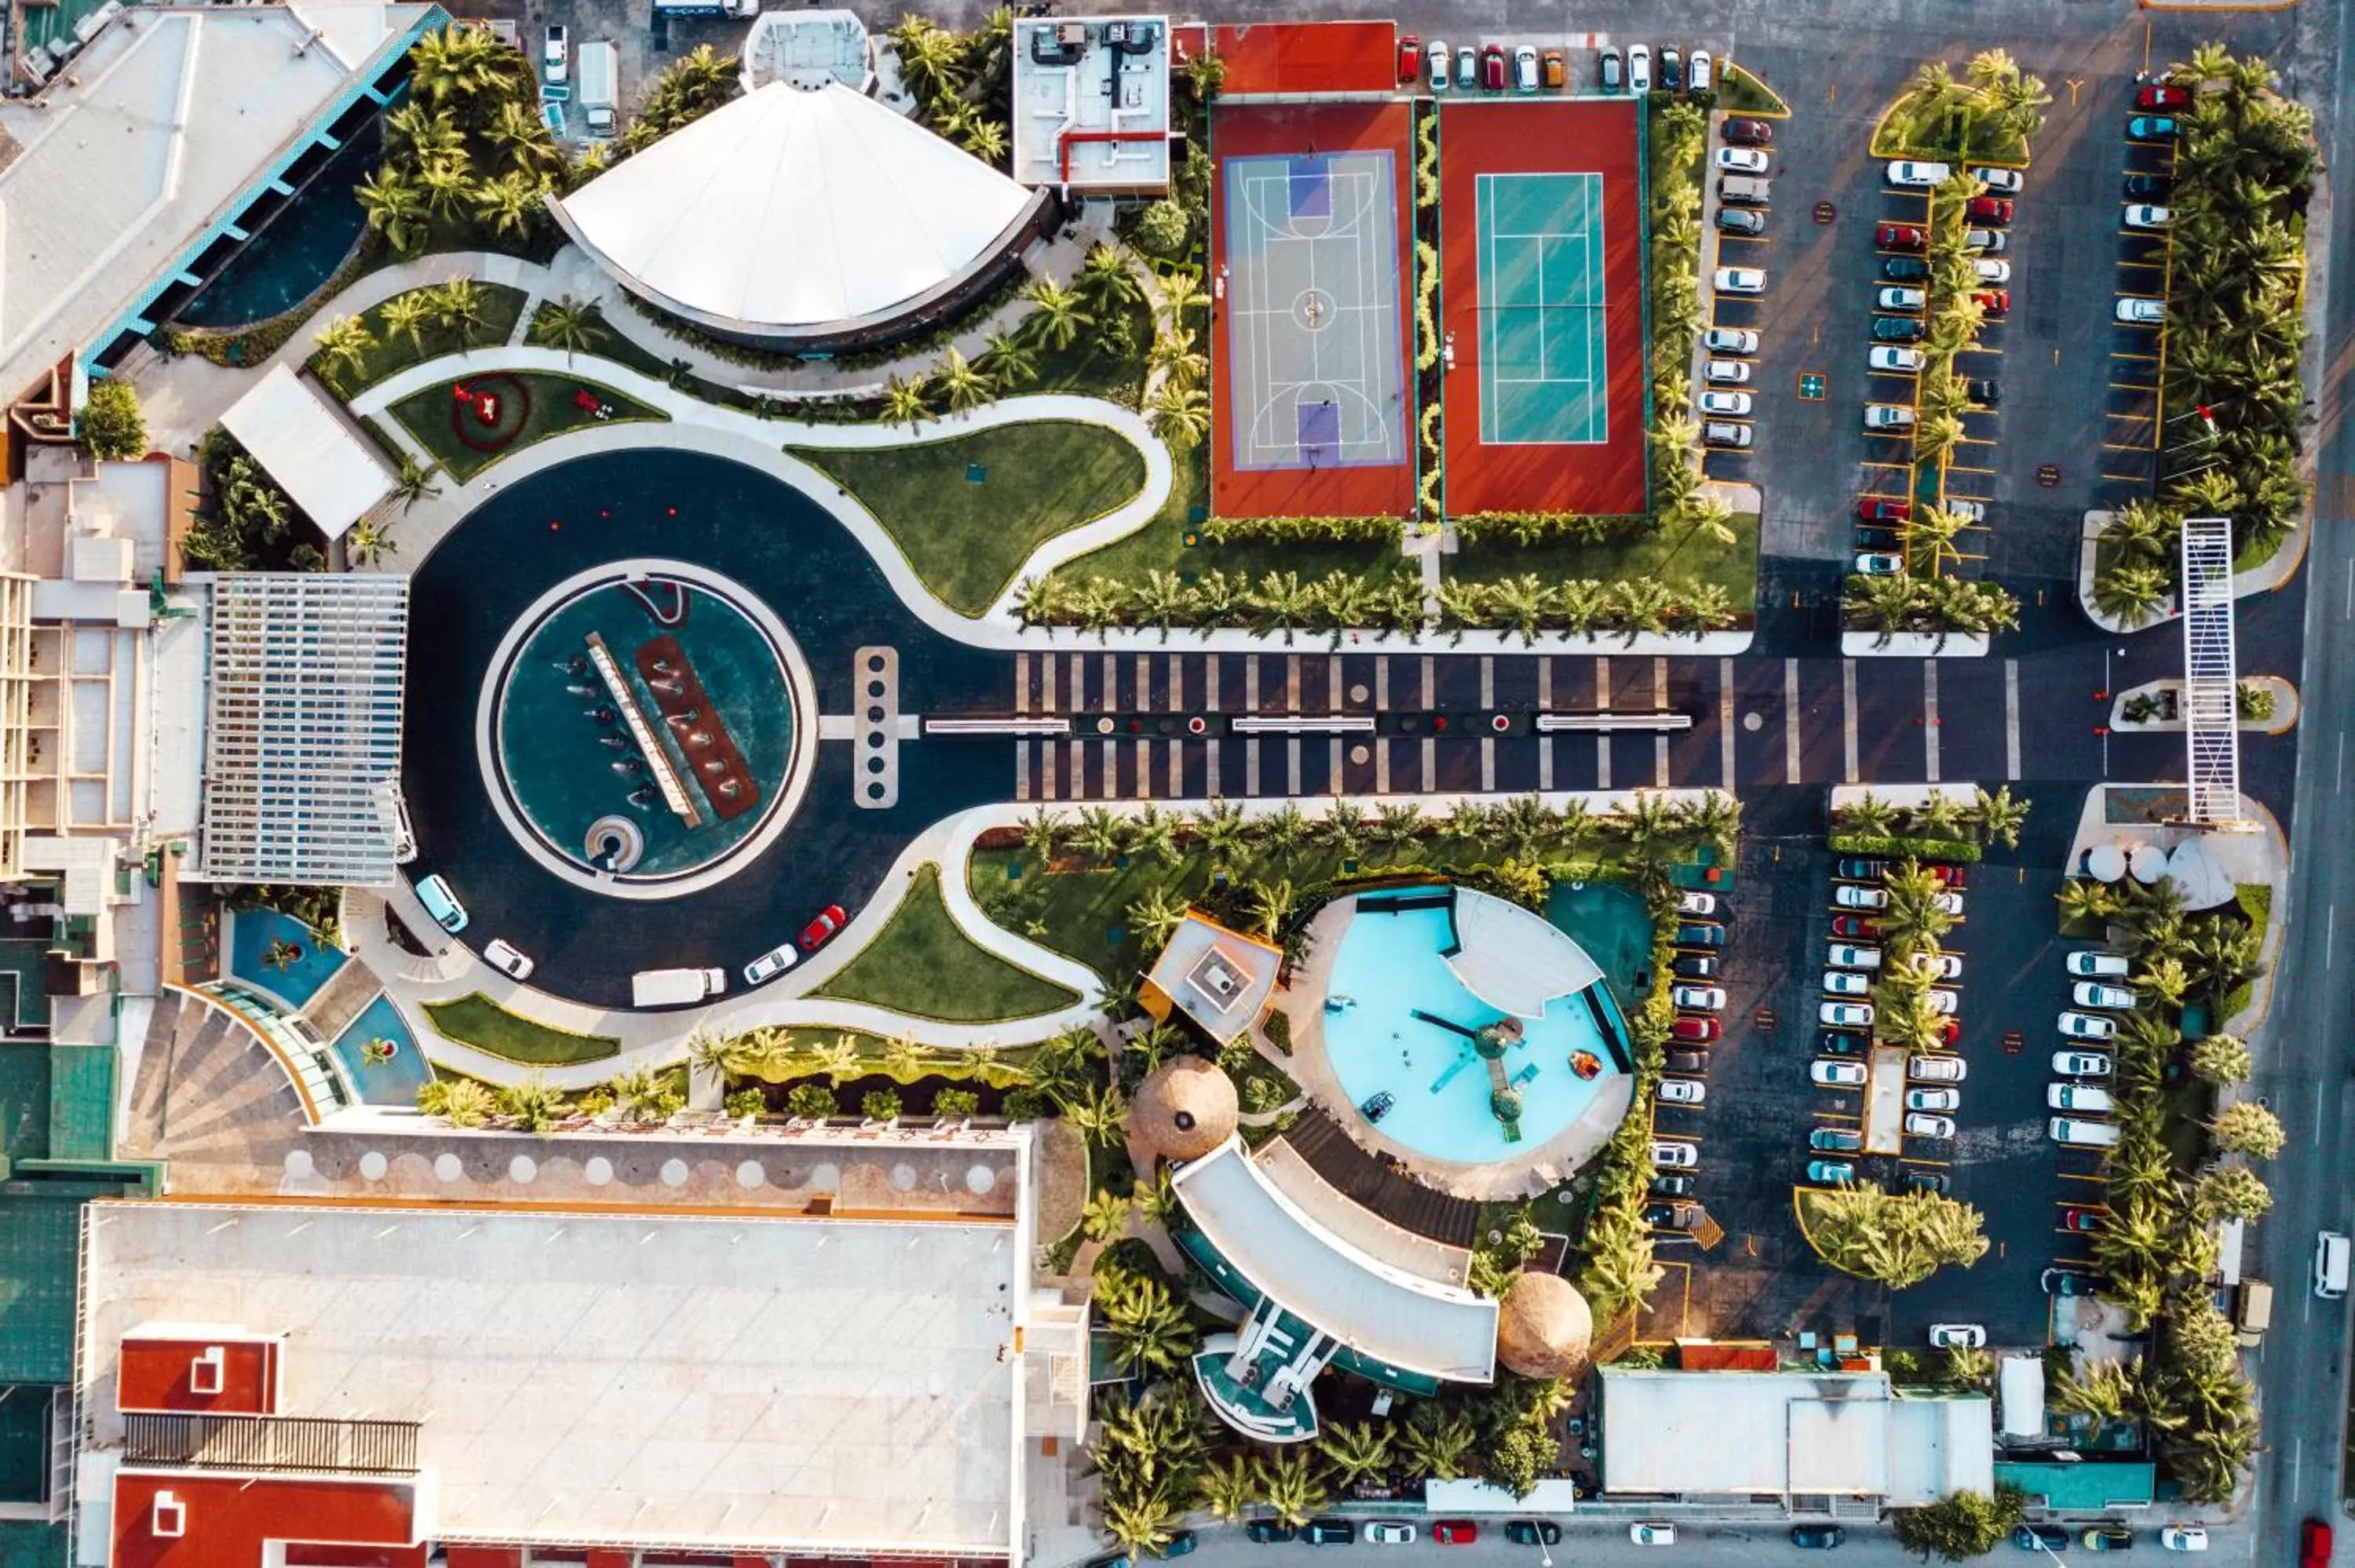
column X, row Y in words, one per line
column 2132, row 595
column 905, row 402
column 2107, row 1391
column 929, row 57
column 1357, row 1451
column 1928, row 536
column 466, row 1103
column 1291, row 1484
column 1912, row 919
column 415, row 483
column 1272, row 905
column 346, row 341
column 1059, row 316
column 2231, row 1193
column 1998, row 817
column 1157, row 917
column 1436, row 1441
column 533, row 1104
column 406, row 315
column 1104, row 1215
column 1884, row 604
column 1173, row 357
column 1142, row 1521
column 986, row 140
column 569, row 324
column 395, row 207
column 1106, row 279
column 965, row 386
column 1010, row 360
column 1149, row 1328
column 2247, row 1128
column 457, row 305
column 1181, row 292
column 2086, row 902
column 1227, row 1488
column 1180, row 414
column 1870, row 815
column 367, row 540
column 1098, row 1116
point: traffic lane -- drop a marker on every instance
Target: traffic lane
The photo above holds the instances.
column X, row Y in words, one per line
column 1890, row 721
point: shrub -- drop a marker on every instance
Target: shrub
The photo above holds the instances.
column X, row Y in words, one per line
column 1162, row 228
column 747, row 1102
column 2255, row 702
column 814, row 1101
column 1024, row 1105
column 112, row 425
column 955, row 1104
column 1278, row 1030
column 880, row 1105
column 1894, row 846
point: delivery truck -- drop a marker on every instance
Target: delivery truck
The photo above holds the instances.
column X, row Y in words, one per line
column 676, row 987
column 600, row 72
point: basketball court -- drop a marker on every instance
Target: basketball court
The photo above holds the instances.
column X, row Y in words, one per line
column 1310, row 394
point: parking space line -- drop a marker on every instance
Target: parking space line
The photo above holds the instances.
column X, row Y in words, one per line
column 1930, row 719
column 1848, row 715
column 1790, row 721
column 1725, row 722
column 2011, row 718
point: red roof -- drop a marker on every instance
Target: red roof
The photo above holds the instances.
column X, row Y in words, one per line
column 222, row 1521
column 483, row 1556
column 217, row 1375
column 1705, row 1356
column 1298, row 57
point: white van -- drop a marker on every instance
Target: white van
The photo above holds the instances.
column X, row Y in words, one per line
column 441, row 904
column 2081, row 1134
column 676, row 987
column 2330, row 1265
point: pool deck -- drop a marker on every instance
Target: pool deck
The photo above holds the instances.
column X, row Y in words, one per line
column 1544, row 1166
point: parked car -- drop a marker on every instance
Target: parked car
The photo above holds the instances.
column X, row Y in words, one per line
column 556, row 55
column 1327, row 1532
column 1933, row 1099
column 1887, row 417
column 1849, row 956
column 1704, row 71
column 2080, row 1098
column 1730, row 340
column 1673, row 1216
column 1741, row 220
column 1684, row 1091
column 1936, row 1182
column 1952, row 903
column 1837, row 1075
column 2183, row 1538
column 441, row 904
column 1740, row 281
column 1881, row 509
column 1898, row 361
column 2142, row 313
column 1958, row 1336
column 1182, row 1544
column 2108, row 1537
column 1726, row 433
column 772, row 964
column 1639, row 68
column 1830, row 1172
column 829, row 920
column 1900, row 236
column 1438, row 57
column 1741, row 160
column 1532, row 1532
column 1940, row 966
column 2161, row 95
column 1835, row 1139
column 1695, row 935
column 1989, row 209
column 1653, row 1533
column 1919, row 1124
column 1904, row 268
column 1928, row 1068
column 1994, row 241
column 2082, row 1132
column 2007, row 181
column 1672, row 1154
column 2095, row 965
column 2149, row 187
column 2039, row 1537
column 1525, row 74
column 2145, row 215
column 1839, row 1043
column 1672, row 1186
column 2153, row 128
column 1725, row 372
column 2081, row 1063
column 1688, row 1062
column 1858, row 895
column 1984, row 391
column 1700, row 998
column 503, row 956
column 1699, row 1031
column 1467, row 67
column 1693, row 966
column 1266, row 1531
column 1846, row 983
column 1672, row 68
column 1993, row 301
column 1492, row 67
column 1737, row 403
column 1390, row 1532
column 2314, row 1545
column 2066, row 1282
column 1749, row 133
column 1607, row 72
column 1946, row 1001
column 2083, row 1222
column 1915, row 174
column 1904, row 299
column 1818, row 1537
column 1896, row 329
column 1969, row 510
column 2088, row 1026
column 1458, row 1531
column 1846, row 1014
column 1991, row 269
column 1410, row 57
column 2093, row 993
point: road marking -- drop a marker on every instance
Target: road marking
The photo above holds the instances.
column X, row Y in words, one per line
column 2297, row 1447
column 1603, row 742
column 1725, row 722
column 1022, row 770
column 1660, row 741
column 1790, row 721
column 1488, row 680
column 2011, row 718
column 1848, row 715
column 2340, row 788
column 2349, row 611
column 1930, row 719
column 2330, row 933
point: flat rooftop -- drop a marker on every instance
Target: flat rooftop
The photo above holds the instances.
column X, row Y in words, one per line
column 840, row 1385
column 1092, row 102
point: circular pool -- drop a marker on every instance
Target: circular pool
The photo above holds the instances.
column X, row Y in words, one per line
column 1467, row 1028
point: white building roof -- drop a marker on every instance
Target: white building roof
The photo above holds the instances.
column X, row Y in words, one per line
column 1514, row 959
column 808, row 47
column 831, row 1386
column 303, row 440
column 170, row 117
column 1375, row 1307
column 1088, row 113
column 794, row 208
column 1700, row 1434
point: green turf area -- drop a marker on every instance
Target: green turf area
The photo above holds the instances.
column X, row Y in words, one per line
column 1085, row 367
column 1670, row 554
column 966, row 538
column 923, row 966
column 501, row 307
column 1743, row 93
column 427, row 416
column 479, row 1021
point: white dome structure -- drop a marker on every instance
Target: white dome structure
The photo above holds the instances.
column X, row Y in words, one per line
column 802, row 215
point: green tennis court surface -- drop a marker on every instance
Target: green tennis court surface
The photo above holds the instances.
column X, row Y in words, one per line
column 1542, row 362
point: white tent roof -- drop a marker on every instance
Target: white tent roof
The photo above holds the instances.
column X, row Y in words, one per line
column 794, row 207
column 304, row 442
column 1514, row 959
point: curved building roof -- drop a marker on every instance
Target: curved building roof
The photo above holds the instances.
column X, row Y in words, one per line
column 795, row 208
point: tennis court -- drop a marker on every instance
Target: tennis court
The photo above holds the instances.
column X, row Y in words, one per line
column 1542, row 359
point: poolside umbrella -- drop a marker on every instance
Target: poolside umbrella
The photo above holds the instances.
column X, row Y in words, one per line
column 1544, row 1328
column 1185, row 1109
column 2148, row 863
column 2106, row 862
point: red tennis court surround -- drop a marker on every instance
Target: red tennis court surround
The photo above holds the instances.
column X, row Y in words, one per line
column 1265, row 57
column 1543, row 137
column 1344, row 479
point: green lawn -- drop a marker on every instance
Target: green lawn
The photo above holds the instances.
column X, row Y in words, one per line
column 427, row 416
column 967, row 539
column 1677, row 556
column 923, row 966
column 479, row 1021
column 501, row 306
column 1085, row 368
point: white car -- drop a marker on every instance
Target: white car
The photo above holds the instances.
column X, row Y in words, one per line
column 1700, row 76
column 2002, row 181
column 1524, row 68
column 1879, row 564
column 1851, row 956
column 1943, row 966
column 1437, row 57
column 1699, row 998
column 1639, row 67
column 1921, row 1124
column 1910, row 300
column 1918, row 175
column 1735, row 403
column 1968, row 510
column 1846, row 983
column 1730, row 340
column 1726, row 372
column 2088, row 1026
column 2093, row 993
column 1952, row 903
column 1388, row 1533
column 1990, row 270
column 2081, row 1063
column 1944, row 1002
column 772, row 964
column 1740, row 281
column 1835, row 1075
column 2091, row 965
column 2145, row 215
column 1697, row 903
column 1880, row 416
column 2083, row 1098
column 1742, row 160
column 1859, row 895
column 1683, row 1091
column 556, row 55
column 1661, row 1533
column 1732, row 433
column 1669, row 1154
column 1958, row 1336
column 502, row 956
column 2142, row 313
column 2183, row 1538
column 1933, row 1099
column 1889, row 356
column 1937, row 1069
column 1991, row 240
column 1846, row 1015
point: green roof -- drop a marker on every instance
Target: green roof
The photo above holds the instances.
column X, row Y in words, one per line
column 39, row 1250
column 2082, row 1487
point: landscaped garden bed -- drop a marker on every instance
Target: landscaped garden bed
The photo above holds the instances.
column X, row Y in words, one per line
column 475, row 1019
column 920, row 965
column 527, row 407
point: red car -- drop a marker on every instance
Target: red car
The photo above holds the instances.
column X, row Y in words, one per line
column 1410, row 58
column 829, row 920
column 1871, row 511
column 1749, row 133
column 2082, row 1220
column 1995, row 302
column 2159, row 95
column 2314, row 1545
column 1699, row 1030
column 1492, row 67
column 1951, row 877
column 1853, row 926
column 1899, row 237
column 1950, row 1030
column 1990, row 209
column 1454, row 1532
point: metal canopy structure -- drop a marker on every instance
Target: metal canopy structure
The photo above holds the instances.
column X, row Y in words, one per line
column 2212, row 720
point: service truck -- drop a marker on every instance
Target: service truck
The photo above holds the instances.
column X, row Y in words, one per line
column 600, row 65
column 676, row 987
column 707, row 7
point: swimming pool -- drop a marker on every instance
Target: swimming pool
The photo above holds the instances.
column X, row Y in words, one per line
column 1400, row 1020
column 379, row 1078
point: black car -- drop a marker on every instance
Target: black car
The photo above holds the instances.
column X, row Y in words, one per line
column 1818, row 1537
column 1701, row 936
column 1741, row 220
column 1695, row 966
column 2148, row 187
column 1672, row 1216
column 1839, row 1043
column 1749, row 133
column 1836, row 1140
column 1532, row 1532
column 1264, row 1531
column 1688, row 1062
column 1985, row 390
column 1936, row 1182
column 1327, row 1532
column 2067, row 1282
column 1876, row 539
column 1858, row 868
column 1672, row 1186
column 1896, row 329
column 1672, row 68
column 1904, row 268
column 2050, row 1537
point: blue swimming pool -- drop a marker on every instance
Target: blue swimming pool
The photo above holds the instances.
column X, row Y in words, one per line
column 378, row 1078
column 310, row 961
column 1400, row 1022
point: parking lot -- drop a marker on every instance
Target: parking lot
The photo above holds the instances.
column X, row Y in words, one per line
column 2130, row 405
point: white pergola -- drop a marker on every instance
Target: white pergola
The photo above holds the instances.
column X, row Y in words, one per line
column 2211, row 718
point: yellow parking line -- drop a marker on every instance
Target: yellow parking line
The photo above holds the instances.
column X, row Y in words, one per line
column 2125, row 478
column 2137, row 358
column 2081, row 1176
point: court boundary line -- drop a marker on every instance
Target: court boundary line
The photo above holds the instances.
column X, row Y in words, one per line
column 1596, row 245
